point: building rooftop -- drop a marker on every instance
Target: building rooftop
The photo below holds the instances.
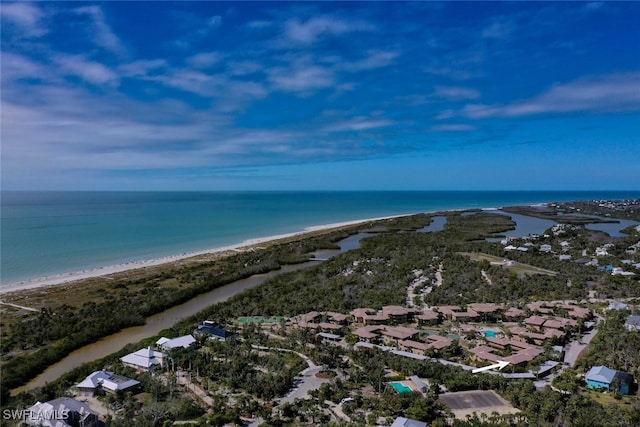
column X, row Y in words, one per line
column 601, row 374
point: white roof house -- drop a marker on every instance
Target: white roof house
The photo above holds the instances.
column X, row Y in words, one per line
column 167, row 344
column 145, row 359
column 632, row 323
column 61, row 412
column 108, row 381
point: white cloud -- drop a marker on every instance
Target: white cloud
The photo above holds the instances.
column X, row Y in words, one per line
column 310, row 31
column 611, row 93
column 142, row 67
column 375, row 59
column 358, row 124
column 453, row 128
column 100, row 31
column 204, row 59
column 241, row 68
column 26, row 16
column 16, row 67
column 89, row 71
column 456, row 93
column 302, row 78
column 498, row 29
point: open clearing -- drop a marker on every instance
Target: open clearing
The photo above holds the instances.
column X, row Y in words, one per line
column 516, row 267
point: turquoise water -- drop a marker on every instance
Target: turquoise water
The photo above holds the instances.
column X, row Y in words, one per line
column 400, row 388
column 45, row 233
column 489, row 334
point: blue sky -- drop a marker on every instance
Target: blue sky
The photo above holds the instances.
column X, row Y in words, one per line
column 320, row 95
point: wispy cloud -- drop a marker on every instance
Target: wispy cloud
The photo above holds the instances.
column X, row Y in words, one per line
column 453, row 93
column 358, row 124
column 204, row 59
column 498, row 29
column 611, row 93
column 196, row 28
column 453, row 128
column 302, row 77
column 26, row 16
column 313, row 29
column 100, row 31
column 374, row 59
column 89, row 71
column 142, row 67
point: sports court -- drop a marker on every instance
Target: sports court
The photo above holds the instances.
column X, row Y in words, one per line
column 260, row 319
column 465, row 403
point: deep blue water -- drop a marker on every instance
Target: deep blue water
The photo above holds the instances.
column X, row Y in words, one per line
column 45, row 233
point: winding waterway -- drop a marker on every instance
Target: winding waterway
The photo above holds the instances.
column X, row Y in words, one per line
column 158, row 322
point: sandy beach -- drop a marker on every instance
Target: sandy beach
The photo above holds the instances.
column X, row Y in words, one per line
column 66, row 278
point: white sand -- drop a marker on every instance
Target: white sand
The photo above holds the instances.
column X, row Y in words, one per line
column 65, row 278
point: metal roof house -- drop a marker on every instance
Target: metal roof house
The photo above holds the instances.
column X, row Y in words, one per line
column 214, row 331
column 632, row 323
column 105, row 381
column 145, row 359
column 407, row 422
column 61, row 412
column 601, row 377
column 167, row 344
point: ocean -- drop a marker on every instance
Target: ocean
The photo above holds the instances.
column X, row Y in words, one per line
column 48, row 233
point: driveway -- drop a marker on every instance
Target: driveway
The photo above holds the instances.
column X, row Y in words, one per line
column 307, row 382
column 575, row 347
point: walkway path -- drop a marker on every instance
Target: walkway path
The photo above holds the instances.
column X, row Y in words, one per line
column 486, row 277
column 183, row 379
column 22, row 307
column 421, row 280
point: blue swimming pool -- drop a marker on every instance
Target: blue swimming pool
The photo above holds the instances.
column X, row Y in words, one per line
column 400, row 388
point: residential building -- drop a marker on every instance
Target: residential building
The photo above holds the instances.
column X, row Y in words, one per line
column 167, row 344
column 632, row 323
column 601, row 377
column 62, row 412
column 100, row 382
column 214, row 331
column 407, row 422
column 145, row 359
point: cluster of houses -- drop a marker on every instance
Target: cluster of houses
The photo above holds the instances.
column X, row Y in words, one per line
column 67, row 411
column 516, row 244
column 148, row 359
column 540, row 322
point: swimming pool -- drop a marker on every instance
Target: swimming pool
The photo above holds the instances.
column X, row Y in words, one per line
column 400, row 388
column 490, row 334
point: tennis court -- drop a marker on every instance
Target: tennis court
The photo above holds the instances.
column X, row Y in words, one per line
column 464, row 403
column 260, row 319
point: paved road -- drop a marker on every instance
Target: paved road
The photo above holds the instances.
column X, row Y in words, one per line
column 575, row 347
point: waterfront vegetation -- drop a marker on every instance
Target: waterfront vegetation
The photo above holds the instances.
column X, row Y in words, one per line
column 75, row 315
column 244, row 380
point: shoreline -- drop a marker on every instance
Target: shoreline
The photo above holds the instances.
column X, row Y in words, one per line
column 75, row 276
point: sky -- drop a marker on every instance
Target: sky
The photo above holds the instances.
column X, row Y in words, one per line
column 120, row 95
